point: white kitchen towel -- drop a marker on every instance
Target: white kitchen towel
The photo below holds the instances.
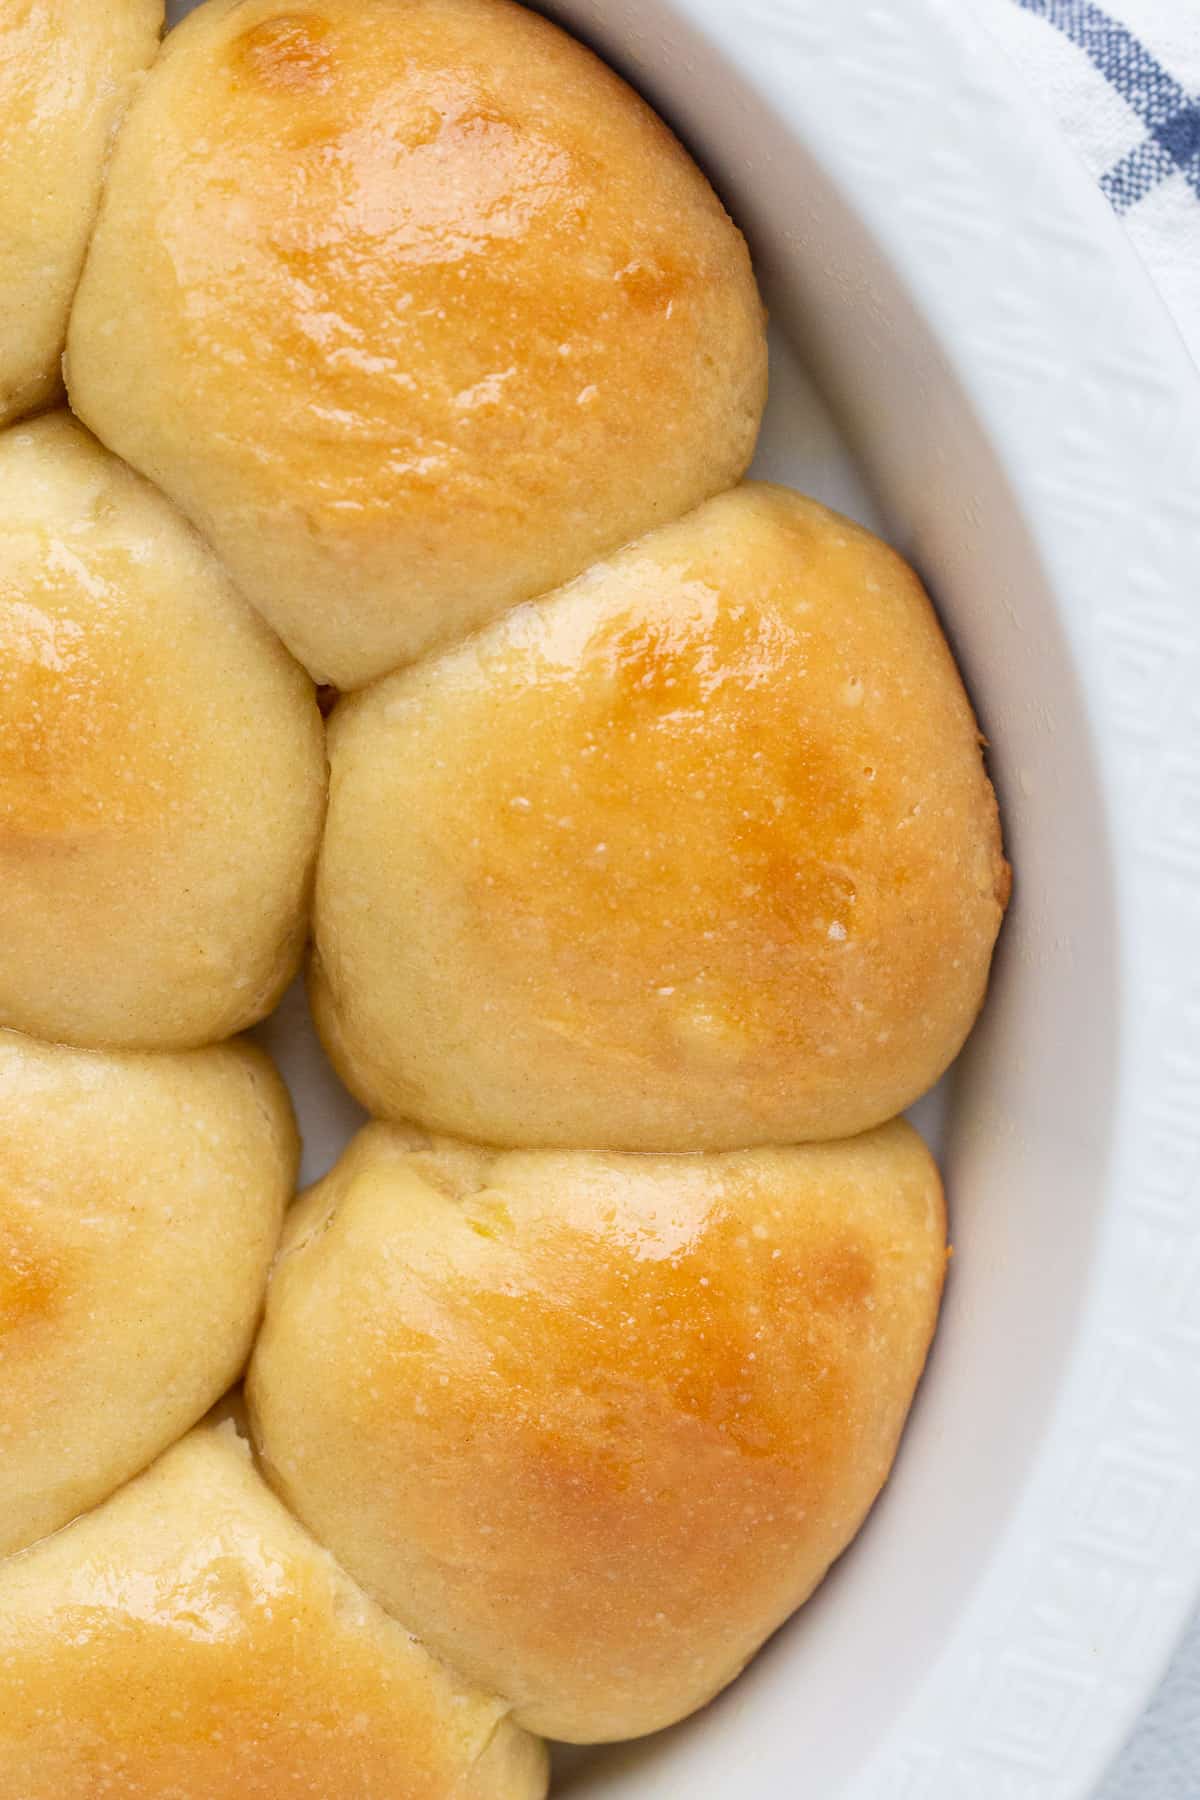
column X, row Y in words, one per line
column 1123, row 81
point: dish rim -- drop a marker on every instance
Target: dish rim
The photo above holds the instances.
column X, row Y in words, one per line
column 1133, row 480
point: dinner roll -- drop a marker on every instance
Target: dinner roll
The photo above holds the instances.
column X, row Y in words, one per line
column 67, row 69
column 592, row 1426
column 162, row 765
column 188, row 1640
column 414, row 309
column 698, row 852
column 140, row 1205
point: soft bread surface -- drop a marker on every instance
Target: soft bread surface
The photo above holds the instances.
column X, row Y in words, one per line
column 140, row 1205
column 697, row 852
column 593, row 1426
column 67, row 69
column 162, row 765
column 189, row 1640
column 414, row 309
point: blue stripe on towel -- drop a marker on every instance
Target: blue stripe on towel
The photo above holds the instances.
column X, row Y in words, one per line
column 1171, row 118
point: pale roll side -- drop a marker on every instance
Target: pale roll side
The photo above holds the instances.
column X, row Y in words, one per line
column 68, row 68
column 162, row 765
column 140, row 1204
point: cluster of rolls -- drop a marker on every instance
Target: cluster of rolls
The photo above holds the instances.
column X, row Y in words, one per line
column 653, row 870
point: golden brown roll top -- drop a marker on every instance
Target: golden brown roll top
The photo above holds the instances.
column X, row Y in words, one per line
column 591, row 1425
column 697, row 852
column 414, row 309
column 67, row 70
column 140, row 1204
column 162, row 765
column 189, row 1639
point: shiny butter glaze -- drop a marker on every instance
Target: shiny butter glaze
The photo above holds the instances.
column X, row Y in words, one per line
column 441, row 308
column 698, row 851
column 593, row 1425
column 188, row 1639
column 87, row 749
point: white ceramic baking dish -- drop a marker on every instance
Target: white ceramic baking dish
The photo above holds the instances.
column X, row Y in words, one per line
column 1016, row 413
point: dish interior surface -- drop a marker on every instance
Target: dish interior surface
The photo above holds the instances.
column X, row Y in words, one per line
column 1024, row 1151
